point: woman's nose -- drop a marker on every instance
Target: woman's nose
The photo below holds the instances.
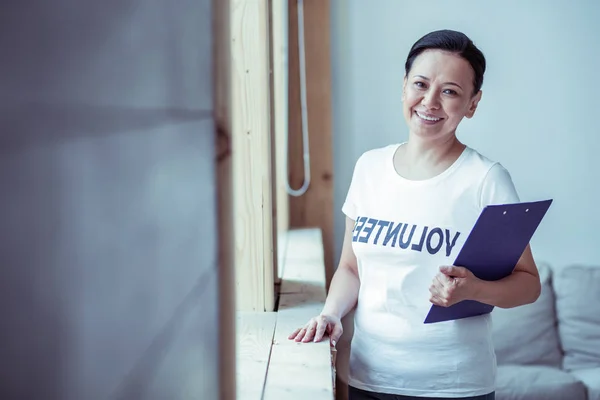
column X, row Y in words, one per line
column 430, row 100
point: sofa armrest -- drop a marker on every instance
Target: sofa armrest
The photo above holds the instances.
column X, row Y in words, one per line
column 591, row 379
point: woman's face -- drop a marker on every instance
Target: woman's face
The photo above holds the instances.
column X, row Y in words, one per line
column 438, row 94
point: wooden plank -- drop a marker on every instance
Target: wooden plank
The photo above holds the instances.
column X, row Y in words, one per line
column 304, row 273
column 252, row 155
column 222, row 115
column 315, row 208
column 254, row 339
column 279, row 123
column 300, row 371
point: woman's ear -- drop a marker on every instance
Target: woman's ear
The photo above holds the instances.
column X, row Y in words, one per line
column 473, row 105
column 404, row 88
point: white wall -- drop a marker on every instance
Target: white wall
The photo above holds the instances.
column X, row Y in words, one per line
column 537, row 115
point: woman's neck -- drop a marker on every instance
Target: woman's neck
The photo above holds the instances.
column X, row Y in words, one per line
column 432, row 153
column 423, row 159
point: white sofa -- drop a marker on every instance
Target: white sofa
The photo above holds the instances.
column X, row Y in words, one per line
column 551, row 349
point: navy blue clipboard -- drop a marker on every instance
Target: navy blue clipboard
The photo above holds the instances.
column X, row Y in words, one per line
column 492, row 250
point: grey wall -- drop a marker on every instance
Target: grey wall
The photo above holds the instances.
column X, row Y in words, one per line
column 537, row 115
column 108, row 284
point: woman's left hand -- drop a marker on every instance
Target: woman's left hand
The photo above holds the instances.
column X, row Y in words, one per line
column 452, row 285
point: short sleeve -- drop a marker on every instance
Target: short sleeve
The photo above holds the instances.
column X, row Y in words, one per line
column 498, row 187
column 350, row 206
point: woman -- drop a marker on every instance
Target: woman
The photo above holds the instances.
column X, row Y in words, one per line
column 409, row 210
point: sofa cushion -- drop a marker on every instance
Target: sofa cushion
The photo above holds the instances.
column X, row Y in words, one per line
column 591, row 379
column 577, row 298
column 528, row 334
column 532, row 382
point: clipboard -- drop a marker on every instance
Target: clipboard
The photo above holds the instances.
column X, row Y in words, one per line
column 492, row 250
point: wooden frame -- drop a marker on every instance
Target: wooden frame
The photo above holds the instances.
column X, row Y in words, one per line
column 271, row 367
column 266, row 360
column 315, row 207
column 251, row 53
column 279, row 128
column 251, row 151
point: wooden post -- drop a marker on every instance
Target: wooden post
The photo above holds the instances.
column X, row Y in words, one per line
column 222, row 116
column 279, row 126
column 315, row 208
column 251, row 150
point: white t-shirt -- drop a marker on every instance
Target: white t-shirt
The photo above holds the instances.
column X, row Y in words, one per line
column 404, row 231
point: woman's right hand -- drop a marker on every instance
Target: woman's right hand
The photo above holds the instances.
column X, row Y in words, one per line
column 342, row 296
column 316, row 328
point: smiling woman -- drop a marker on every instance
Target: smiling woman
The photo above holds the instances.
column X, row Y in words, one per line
column 409, row 209
column 441, row 86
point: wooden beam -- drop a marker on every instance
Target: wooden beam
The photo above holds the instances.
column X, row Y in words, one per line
column 279, row 45
column 254, row 337
column 279, row 124
column 294, row 370
column 315, row 208
column 252, row 175
column 300, row 370
column 222, row 116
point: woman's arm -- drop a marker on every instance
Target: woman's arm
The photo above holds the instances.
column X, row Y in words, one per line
column 343, row 291
column 342, row 297
column 454, row 284
column 519, row 288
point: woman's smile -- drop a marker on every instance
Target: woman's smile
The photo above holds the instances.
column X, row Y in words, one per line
column 427, row 119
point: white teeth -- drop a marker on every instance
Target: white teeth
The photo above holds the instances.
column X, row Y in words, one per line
column 426, row 118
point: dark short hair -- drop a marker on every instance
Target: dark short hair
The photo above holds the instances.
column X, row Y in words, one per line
column 454, row 42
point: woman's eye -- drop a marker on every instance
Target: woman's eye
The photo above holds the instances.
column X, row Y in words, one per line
column 419, row 84
column 450, row 92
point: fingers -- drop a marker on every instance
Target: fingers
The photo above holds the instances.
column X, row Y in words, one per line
column 444, row 280
column 447, row 270
column 439, row 301
column 316, row 329
column 321, row 328
column 294, row 334
column 439, row 285
column 305, row 334
column 437, row 296
column 300, row 335
column 310, row 332
column 441, row 290
column 336, row 333
column 454, row 271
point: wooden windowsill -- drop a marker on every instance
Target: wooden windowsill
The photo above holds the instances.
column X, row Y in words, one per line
column 269, row 366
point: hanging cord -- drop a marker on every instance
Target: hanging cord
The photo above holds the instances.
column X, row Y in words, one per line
column 303, row 108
